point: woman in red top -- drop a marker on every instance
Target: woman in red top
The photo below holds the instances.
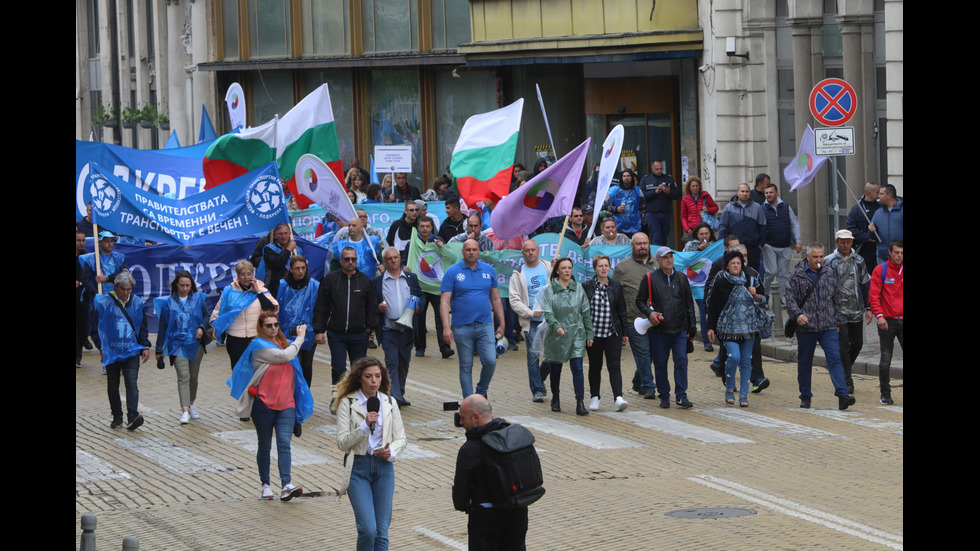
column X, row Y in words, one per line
column 694, row 202
column 270, row 387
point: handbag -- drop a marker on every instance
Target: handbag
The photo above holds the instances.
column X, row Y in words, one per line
column 711, row 221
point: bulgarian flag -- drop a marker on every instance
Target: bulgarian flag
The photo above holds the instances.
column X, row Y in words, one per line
column 236, row 154
column 483, row 159
column 307, row 128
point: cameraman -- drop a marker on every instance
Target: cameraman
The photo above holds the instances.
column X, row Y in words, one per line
column 489, row 528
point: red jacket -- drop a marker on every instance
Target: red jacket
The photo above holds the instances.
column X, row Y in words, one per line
column 886, row 297
column 691, row 209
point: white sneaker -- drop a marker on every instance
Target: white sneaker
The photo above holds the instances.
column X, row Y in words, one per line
column 289, row 492
column 594, row 404
column 621, row 404
column 185, row 418
column 267, row 492
column 194, row 413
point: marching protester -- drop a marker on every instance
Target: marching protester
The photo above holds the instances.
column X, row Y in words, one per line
column 608, row 311
column 703, row 236
column 269, row 387
column 526, row 283
column 813, row 304
column 566, row 311
column 469, row 290
column 887, row 298
column 111, row 264
column 122, row 330
column 82, row 302
column 183, row 323
column 371, row 435
column 277, row 255
column 296, row 298
column 734, row 317
column 346, row 309
column 395, row 287
column 664, row 298
column 238, row 310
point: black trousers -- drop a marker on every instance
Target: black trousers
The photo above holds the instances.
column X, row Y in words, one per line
column 497, row 529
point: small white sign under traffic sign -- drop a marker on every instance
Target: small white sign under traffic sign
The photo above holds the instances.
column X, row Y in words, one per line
column 831, row 142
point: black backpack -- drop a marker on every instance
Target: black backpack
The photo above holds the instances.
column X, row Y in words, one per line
column 513, row 470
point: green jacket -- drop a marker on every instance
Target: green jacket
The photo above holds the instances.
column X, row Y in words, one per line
column 567, row 309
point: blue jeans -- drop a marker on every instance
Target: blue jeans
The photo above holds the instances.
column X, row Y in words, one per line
column 704, row 320
column 536, row 372
column 265, row 420
column 740, row 357
column 129, row 369
column 807, row 342
column 372, row 488
column 661, row 347
column 578, row 377
column 397, row 346
column 640, row 346
column 475, row 337
column 353, row 346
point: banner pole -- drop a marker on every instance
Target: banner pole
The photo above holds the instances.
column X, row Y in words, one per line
column 98, row 265
column 561, row 237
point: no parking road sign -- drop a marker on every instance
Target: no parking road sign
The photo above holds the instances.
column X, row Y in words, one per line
column 833, row 102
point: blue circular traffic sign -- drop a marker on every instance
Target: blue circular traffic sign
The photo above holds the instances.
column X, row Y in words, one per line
column 833, row 102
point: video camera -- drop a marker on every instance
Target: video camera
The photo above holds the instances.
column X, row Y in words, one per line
column 453, row 406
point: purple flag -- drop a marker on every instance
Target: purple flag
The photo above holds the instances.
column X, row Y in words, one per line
column 548, row 194
column 801, row 170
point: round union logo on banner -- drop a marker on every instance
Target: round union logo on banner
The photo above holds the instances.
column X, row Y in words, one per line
column 105, row 196
column 264, row 199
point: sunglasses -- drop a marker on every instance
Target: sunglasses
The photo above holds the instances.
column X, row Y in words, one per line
column 271, row 325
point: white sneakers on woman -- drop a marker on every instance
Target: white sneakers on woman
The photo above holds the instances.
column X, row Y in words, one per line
column 185, row 418
column 621, row 404
column 267, row 492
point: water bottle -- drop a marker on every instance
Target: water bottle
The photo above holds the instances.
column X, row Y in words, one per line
column 501, row 346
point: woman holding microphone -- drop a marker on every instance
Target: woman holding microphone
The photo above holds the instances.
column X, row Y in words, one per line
column 371, row 434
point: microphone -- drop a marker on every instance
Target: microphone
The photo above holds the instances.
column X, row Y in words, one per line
column 373, row 405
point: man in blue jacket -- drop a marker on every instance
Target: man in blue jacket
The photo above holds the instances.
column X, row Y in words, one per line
column 745, row 218
column 888, row 221
column 659, row 192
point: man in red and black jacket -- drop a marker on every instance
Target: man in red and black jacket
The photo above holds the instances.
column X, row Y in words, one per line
column 887, row 304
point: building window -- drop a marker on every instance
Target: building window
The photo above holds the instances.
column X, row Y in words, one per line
column 450, row 24
column 326, row 27
column 229, row 29
column 268, row 28
column 389, row 25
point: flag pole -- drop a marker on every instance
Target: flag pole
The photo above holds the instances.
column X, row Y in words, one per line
column 547, row 127
column 98, row 265
column 856, row 200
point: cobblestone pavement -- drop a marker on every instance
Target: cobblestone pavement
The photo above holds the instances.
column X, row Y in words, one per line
column 807, row 479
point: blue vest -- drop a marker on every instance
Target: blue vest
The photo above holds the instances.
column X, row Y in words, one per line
column 779, row 231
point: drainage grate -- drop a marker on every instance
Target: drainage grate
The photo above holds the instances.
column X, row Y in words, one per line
column 711, row 512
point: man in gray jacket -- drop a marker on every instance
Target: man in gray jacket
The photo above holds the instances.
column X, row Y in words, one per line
column 854, row 283
column 629, row 272
column 813, row 302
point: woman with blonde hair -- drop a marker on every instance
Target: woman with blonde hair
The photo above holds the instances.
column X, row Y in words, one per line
column 269, row 386
column 371, row 434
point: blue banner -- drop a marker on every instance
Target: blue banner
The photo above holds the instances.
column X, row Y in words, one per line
column 248, row 205
column 212, row 266
column 163, row 171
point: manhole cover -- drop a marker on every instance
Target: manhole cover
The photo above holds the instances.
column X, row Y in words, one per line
column 711, row 512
